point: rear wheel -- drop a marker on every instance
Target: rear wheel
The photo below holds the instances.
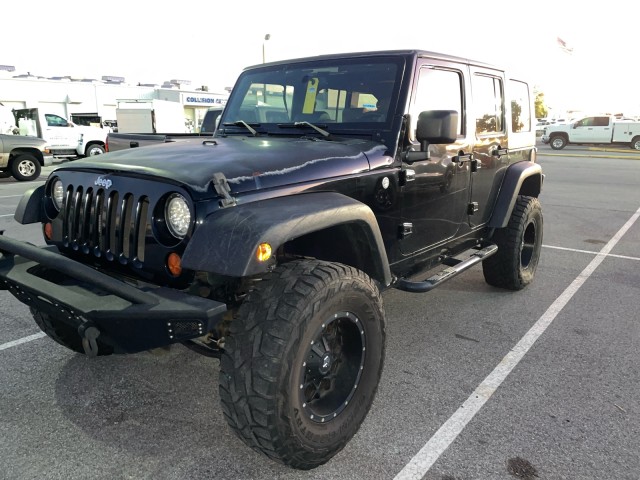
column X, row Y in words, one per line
column 64, row 334
column 519, row 244
column 25, row 167
column 635, row 143
column 558, row 142
column 303, row 360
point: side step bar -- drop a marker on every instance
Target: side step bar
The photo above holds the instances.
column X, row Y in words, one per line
column 455, row 267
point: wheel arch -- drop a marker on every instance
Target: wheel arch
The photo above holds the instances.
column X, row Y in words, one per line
column 16, row 152
column 522, row 178
column 95, row 142
column 564, row 135
column 325, row 225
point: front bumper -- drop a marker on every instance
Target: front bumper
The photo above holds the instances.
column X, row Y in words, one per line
column 129, row 315
column 544, row 139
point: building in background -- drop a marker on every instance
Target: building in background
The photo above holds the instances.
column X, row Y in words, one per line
column 66, row 96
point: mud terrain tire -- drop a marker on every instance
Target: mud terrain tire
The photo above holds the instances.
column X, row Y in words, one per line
column 514, row 265
column 64, row 334
column 303, row 361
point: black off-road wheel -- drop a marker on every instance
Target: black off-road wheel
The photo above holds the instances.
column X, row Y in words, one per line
column 25, row 167
column 514, row 265
column 303, row 360
column 64, row 334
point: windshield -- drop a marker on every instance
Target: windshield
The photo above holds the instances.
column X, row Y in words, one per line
column 338, row 94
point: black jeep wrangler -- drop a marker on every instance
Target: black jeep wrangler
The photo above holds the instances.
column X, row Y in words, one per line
column 328, row 180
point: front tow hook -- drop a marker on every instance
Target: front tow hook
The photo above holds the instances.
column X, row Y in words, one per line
column 89, row 334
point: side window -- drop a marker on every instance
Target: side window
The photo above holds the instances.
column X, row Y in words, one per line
column 520, row 106
column 437, row 89
column 55, row 120
column 601, row 122
column 586, row 122
column 488, row 103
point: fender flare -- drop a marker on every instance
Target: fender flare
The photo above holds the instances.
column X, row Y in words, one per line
column 30, row 208
column 227, row 241
column 522, row 178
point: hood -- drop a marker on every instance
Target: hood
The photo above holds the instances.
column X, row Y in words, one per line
column 24, row 141
column 248, row 163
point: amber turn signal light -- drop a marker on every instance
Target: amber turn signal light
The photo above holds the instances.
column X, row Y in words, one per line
column 48, row 231
column 264, row 252
column 174, row 264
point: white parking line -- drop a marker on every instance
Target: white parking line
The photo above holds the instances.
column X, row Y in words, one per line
column 10, row 196
column 8, row 215
column 592, row 253
column 22, row 340
column 449, row 431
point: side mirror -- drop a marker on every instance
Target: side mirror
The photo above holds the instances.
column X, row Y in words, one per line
column 437, row 126
column 433, row 126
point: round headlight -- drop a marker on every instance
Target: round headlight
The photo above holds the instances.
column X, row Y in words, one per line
column 177, row 215
column 57, row 193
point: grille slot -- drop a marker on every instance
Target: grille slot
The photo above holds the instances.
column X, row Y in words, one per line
column 107, row 224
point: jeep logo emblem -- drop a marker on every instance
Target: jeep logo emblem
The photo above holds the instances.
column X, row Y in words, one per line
column 103, row 182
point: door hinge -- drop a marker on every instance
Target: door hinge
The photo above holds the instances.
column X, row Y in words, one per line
column 405, row 229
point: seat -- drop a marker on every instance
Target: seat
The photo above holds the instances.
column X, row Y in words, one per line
column 276, row 117
column 352, row 115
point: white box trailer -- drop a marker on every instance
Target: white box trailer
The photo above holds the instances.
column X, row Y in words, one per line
column 150, row 116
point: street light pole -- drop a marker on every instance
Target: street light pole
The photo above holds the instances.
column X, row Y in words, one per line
column 266, row 37
column 264, row 87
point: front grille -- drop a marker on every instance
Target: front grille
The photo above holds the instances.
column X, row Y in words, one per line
column 108, row 224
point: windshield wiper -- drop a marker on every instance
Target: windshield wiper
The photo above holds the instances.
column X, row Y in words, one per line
column 242, row 123
column 322, row 132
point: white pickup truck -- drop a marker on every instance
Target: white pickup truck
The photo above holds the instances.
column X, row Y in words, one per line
column 593, row 130
column 64, row 138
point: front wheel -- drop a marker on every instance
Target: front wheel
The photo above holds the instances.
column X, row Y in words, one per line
column 519, row 243
column 303, row 360
column 25, row 167
column 558, row 142
column 94, row 149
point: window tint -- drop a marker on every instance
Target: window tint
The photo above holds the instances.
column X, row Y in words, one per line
column 593, row 122
column 488, row 103
column 437, row 89
column 520, row 106
column 55, row 120
column 331, row 91
column 601, row 122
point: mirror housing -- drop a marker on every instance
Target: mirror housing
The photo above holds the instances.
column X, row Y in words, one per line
column 434, row 126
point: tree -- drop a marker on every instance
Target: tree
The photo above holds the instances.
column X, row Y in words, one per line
column 540, row 107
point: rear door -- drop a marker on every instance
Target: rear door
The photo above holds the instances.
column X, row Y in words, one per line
column 490, row 140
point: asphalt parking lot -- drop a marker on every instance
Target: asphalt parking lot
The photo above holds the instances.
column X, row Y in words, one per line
column 479, row 383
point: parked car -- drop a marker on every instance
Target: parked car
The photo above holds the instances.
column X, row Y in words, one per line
column 23, row 157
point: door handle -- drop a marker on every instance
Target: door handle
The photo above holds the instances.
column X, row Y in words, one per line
column 462, row 157
column 498, row 151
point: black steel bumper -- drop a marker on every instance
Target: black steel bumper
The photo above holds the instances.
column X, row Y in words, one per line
column 130, row 316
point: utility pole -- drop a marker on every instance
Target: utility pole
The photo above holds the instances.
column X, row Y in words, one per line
column 266, row 37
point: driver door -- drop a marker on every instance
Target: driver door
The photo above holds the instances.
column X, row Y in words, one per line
column 436, row 191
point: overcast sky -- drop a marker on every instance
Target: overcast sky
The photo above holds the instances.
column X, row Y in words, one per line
column 209, row 42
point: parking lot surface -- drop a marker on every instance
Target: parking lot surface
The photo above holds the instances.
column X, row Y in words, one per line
column 479, row 383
